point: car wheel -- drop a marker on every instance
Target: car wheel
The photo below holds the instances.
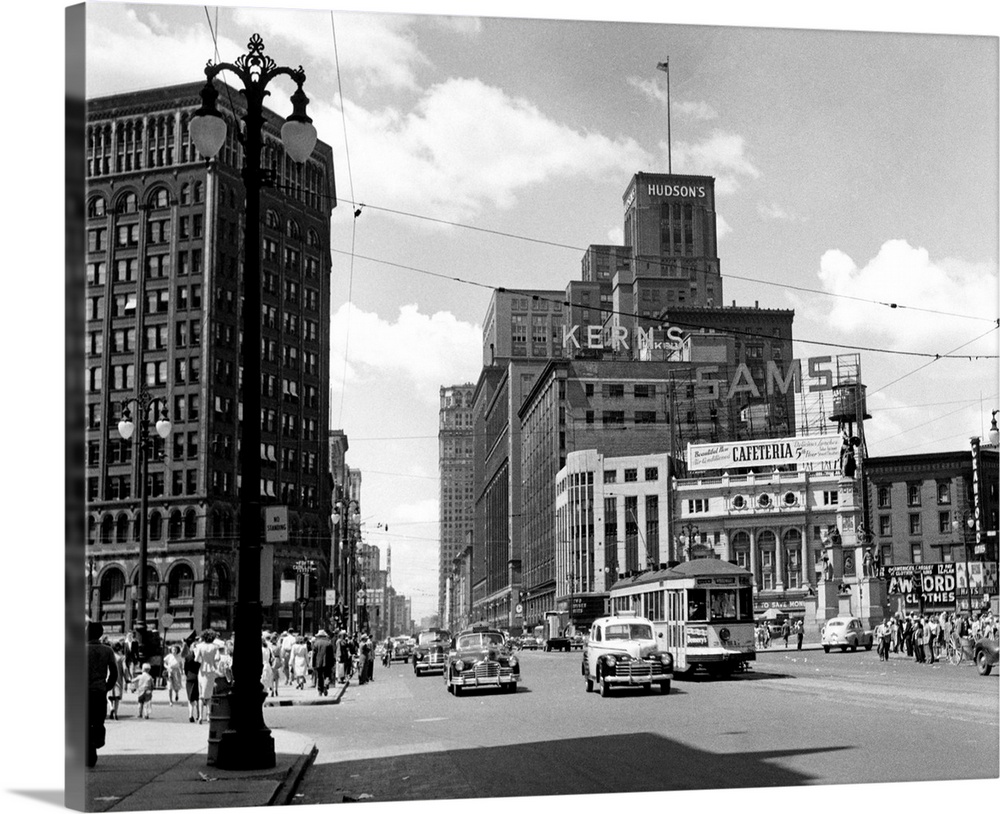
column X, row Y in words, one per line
column 590, row 684
column 456, row 689
column 826, row 648
column 843, row 648
column 605, row 687
column 983, row 664
column 854, row 647
column 665, row 688
column 868, row 646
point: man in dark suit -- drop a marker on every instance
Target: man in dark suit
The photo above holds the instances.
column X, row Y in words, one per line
column 324, row 660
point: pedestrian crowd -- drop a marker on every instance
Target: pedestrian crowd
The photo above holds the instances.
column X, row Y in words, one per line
column 925, row 637
column 763, row 635
column 116, row 671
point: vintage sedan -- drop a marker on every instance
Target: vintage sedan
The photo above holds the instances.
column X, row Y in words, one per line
column 846, row 632
column 621, row 651
column 402, row 648
column 431, row 651
column 985, row 655
column 480, row 658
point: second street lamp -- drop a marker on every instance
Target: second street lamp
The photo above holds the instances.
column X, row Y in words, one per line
column 247, row 743
column 126, row 427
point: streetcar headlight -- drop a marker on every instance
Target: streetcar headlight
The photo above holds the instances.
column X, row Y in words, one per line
column 724, row 635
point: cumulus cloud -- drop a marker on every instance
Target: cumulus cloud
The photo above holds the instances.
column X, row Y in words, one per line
column 908, row 276
column 722, row 155
column 418, row 352
column 774, row 211
column 689, row 110
column 466, row 145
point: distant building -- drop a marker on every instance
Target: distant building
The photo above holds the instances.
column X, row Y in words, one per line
column 456, row 467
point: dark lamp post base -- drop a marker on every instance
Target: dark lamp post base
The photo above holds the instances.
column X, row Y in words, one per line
column 246, row 750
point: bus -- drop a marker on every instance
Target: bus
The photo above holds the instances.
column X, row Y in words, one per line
column 702, row 611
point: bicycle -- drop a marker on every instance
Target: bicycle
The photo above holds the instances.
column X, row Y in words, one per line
column 958, row 650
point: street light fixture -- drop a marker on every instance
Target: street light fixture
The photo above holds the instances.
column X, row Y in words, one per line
column 248, row 744
column 691, row 531
column 144, row 402
column 968, row 521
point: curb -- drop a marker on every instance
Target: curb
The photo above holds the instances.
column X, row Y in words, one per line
column 307, row 702
column 285, row 792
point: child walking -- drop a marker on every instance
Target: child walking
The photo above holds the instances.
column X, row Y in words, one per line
column 143, row 687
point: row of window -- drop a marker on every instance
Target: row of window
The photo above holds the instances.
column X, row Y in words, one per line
column 913, row 494
column 946, row 524
column 159, row 198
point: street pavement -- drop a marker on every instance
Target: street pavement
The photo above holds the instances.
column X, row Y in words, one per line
column 161, row 762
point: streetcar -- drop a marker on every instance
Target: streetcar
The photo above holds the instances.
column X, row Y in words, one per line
column 702, row 611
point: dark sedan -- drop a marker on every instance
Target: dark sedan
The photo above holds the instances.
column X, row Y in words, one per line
column 481, row 659
column 985, row 655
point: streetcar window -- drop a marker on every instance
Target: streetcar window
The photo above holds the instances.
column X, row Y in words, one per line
column 698, row 605
column 723, row 604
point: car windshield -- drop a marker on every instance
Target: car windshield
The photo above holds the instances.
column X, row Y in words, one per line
column 468, row 641
column 837, row 623
column 629, row 631
column 432, row 636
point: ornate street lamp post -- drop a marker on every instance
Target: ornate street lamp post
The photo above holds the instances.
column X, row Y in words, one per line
column 248, row 744
column 126, row 427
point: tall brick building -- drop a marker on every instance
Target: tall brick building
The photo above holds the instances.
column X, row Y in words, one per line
column 164, row 261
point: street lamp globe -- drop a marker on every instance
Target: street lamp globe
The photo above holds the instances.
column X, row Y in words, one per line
column 126, row 426
column 163, row 425
column 208, row 128
column 298, row 133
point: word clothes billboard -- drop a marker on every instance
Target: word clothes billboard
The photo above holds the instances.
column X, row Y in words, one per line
column 942, row 585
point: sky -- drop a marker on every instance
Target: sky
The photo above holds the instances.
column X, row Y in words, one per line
column 852, row 167
column 859, row 165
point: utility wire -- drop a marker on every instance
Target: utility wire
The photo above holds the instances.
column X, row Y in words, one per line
column 679, row 323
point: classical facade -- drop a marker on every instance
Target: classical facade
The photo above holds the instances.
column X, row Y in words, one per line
column 163, row 291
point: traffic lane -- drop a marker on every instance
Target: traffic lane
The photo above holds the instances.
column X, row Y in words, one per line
column 407, row 738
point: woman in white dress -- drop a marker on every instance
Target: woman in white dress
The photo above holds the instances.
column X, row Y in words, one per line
column 300, row 662
column 173, row 668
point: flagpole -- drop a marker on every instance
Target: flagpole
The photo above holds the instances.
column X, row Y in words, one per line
column 665, row 67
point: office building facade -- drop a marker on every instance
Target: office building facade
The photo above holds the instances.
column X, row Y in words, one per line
column 456, row 467
column 163, row 296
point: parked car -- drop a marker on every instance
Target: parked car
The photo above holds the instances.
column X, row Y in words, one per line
column 480, row 658
column 622, row 651
column 431, row 651
column 578, row 641
column 529, row 642
column 846, row 632
column 985, row 655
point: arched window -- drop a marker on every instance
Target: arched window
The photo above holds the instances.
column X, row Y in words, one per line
column 312, row 238
column 121, row 529
column 190, row 523
column 127, row 203
column 92, row 530
column 292, row 229
column 96, row 207
column 218, row 582
column 198, row 192
column 160, row 199
column 113, row 586
column 181, row 585
column 155, row 525
column 271, row 220
column 107, row 529
column 174, row 525
column 152, row 582
column 185, row 194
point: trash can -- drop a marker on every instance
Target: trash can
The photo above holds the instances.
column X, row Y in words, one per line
column 218, row 719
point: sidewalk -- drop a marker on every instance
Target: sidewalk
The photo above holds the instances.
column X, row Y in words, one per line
column 161, row 762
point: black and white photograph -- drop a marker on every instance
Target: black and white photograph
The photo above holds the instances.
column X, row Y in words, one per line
column 506, row 405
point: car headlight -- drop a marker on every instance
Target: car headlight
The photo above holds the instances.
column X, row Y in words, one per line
column 610, row 661
column 667, row 660
column 512, row 661
column 459, row 665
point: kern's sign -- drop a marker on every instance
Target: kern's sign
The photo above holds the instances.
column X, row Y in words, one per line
column 810, row 449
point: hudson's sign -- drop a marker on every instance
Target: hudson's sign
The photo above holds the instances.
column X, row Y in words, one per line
column 669, row 191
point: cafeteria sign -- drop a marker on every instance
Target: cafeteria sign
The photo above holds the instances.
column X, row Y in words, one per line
column 809, row 449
